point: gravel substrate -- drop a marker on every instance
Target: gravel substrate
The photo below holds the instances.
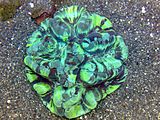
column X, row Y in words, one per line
column 138, row 21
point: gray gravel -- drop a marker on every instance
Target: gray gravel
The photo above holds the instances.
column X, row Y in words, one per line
column 138, row 21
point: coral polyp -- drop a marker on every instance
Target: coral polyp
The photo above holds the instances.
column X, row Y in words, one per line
column 74, row 60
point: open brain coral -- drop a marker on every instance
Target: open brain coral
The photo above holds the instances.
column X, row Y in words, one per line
column 75, row 60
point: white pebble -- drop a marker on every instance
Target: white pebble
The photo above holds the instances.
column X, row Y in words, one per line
column 29, row 13
column 31, row 5
column 151, row 34
column 143, row 10
column 8, row 101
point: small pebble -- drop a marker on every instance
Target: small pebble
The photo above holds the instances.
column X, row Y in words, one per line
column 151, row 35
column 143, row 10
column 31, row 5
column 8, row 101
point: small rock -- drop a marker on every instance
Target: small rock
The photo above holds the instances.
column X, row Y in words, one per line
column 151, row 35
column 143, row 10
column 8, row 101
column 31, row 5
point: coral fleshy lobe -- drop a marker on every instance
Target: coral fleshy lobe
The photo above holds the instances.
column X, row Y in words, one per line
column 74, row 60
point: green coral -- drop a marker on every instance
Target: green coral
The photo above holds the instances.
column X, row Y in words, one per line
column 75, row 60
